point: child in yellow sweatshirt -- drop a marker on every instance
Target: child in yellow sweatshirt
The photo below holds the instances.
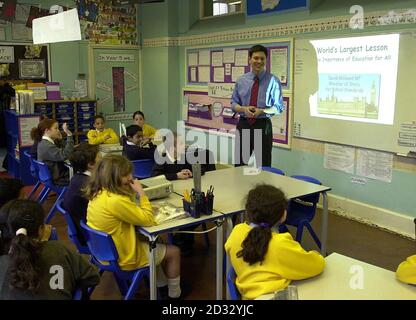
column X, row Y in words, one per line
column 112, row 209
column 148, row 131
column 266, row 261
column 100, row 134
column 406, row 272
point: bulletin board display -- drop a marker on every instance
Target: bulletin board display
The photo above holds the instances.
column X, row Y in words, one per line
column 226, row 64
column 213, row 113
column 24, row 62
column 26, row 123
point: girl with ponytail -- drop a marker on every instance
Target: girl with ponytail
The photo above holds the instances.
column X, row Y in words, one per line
column 51, row 150
column 266, row 261
column 39, row 270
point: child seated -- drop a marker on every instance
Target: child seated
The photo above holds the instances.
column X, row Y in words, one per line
column 175, row 162
column 52, row 152
column 83, row 160
column 112, row 209
column 406, row 271
column 266, row 261
column 30, row 266
column 100, row 134
column 12, row 189
column 148, row 131
column 137, row 148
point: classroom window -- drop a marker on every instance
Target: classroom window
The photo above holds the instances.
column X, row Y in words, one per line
column 212, row 8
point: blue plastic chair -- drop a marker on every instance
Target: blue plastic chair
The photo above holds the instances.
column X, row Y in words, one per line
column 273, row 170
column 104, row 255
column 35, row 175
column 54, row 234
column 72, row 230
column 46, row 178
column 143, row 168
column 301, row 211
column 232, row 288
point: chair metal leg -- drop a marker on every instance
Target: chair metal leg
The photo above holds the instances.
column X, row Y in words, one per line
column 313, row 234
column 134, row 284
column 122, row 285
column 299, row 233
column 43, row 195
column 34, row 189
column 170, row 238
column 54, row 207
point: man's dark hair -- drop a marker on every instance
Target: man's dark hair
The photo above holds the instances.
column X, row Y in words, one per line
column 257, row 48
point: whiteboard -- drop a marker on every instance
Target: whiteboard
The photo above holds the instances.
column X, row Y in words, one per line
column 367, row 135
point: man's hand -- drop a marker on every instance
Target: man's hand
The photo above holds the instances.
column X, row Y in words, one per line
column 249, row 111
column 257, row 112
column 107, row 137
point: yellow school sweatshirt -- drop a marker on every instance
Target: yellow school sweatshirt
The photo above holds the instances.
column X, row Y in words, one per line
column 406, row 272
column 118, row 215
column 96, row 137
column 285, row 260
column 148, row 131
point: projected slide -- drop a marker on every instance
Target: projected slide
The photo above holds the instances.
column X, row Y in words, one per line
column 353, row 95
column 357, row 78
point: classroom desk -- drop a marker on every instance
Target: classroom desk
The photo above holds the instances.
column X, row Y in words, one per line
column 232, row 185
column 153, row 232
column 341, row 271
column 112, row 148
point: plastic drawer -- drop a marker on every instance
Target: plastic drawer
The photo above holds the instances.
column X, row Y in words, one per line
column 65, row 106
column 84, row 126
column 65, row 118
column 90, row 104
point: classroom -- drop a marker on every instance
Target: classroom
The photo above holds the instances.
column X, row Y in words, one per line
column 158, row 150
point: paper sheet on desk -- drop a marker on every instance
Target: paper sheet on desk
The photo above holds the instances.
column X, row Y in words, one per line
column 166, row 213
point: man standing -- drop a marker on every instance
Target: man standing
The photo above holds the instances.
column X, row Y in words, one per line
column 257, row 97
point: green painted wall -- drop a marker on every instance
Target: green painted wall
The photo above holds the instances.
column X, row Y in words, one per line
column 160, row 85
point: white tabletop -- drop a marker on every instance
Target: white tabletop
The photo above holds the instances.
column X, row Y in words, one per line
column 346, row 278
column 231, row 181
column 176, row 200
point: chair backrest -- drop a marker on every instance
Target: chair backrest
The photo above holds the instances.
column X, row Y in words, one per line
column 231, row 276
column 54, row 234
column 44, row 173
column 415, row 226
column 33, row 170
column 102, row 248
column 72, row 229
column 273, row 170
column 306, row 204
column 143, row 168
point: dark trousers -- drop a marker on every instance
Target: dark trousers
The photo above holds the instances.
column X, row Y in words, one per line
column 245, row 141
